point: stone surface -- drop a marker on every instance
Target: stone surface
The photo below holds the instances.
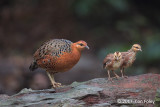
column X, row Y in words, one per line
column 138, row 90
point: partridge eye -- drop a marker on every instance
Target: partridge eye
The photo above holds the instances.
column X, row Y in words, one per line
column 81, row 44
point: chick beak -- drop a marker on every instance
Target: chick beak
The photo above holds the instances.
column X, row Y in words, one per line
column 117, row 58
column 87, row 47
column 140, row 50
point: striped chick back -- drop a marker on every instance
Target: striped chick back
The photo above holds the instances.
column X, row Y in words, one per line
column 108, row 60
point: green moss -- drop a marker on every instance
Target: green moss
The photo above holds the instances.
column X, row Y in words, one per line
column 157, row 98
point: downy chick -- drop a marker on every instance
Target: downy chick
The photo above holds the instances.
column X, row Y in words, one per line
column 112, row 62
column 129, row 57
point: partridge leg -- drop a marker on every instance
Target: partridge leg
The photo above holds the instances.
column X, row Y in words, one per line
column 54, row 84
column 109, row 77
column 57, row 84
column 117, row 76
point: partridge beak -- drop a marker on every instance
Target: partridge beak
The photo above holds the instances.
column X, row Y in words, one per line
column 87, row 47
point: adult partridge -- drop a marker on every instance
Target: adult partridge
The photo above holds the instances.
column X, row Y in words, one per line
column 112, row 62
column 57, row 55
column 129, row 57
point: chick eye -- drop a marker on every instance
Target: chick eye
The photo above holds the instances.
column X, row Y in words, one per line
column 136, row 47
column 81, row 44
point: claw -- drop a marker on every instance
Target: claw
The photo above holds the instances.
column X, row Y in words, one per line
column 55, row 85
column 117, row 76
column 124, row 76
column 110, row 79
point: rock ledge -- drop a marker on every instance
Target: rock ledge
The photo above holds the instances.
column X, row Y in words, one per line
column 97, row 92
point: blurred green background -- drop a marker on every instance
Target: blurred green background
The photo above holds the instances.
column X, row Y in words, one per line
column 106, row 25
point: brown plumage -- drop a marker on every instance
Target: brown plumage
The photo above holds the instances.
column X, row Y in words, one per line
column 129, row 57
column 57, row 55
column 112, row 62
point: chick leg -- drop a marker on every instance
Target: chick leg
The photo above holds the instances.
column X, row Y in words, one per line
column 122, row 72
column 109, row 77
column 117, row 76
column 54, row 84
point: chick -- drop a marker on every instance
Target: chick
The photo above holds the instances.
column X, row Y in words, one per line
column 112, row 62
column 129, row 57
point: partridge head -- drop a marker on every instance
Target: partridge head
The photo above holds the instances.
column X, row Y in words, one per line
column 81, row 45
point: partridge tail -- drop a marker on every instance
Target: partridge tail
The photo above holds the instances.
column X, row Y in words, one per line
column 33, row 66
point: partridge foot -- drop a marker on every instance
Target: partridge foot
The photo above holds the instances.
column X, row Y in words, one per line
column 55, row 85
